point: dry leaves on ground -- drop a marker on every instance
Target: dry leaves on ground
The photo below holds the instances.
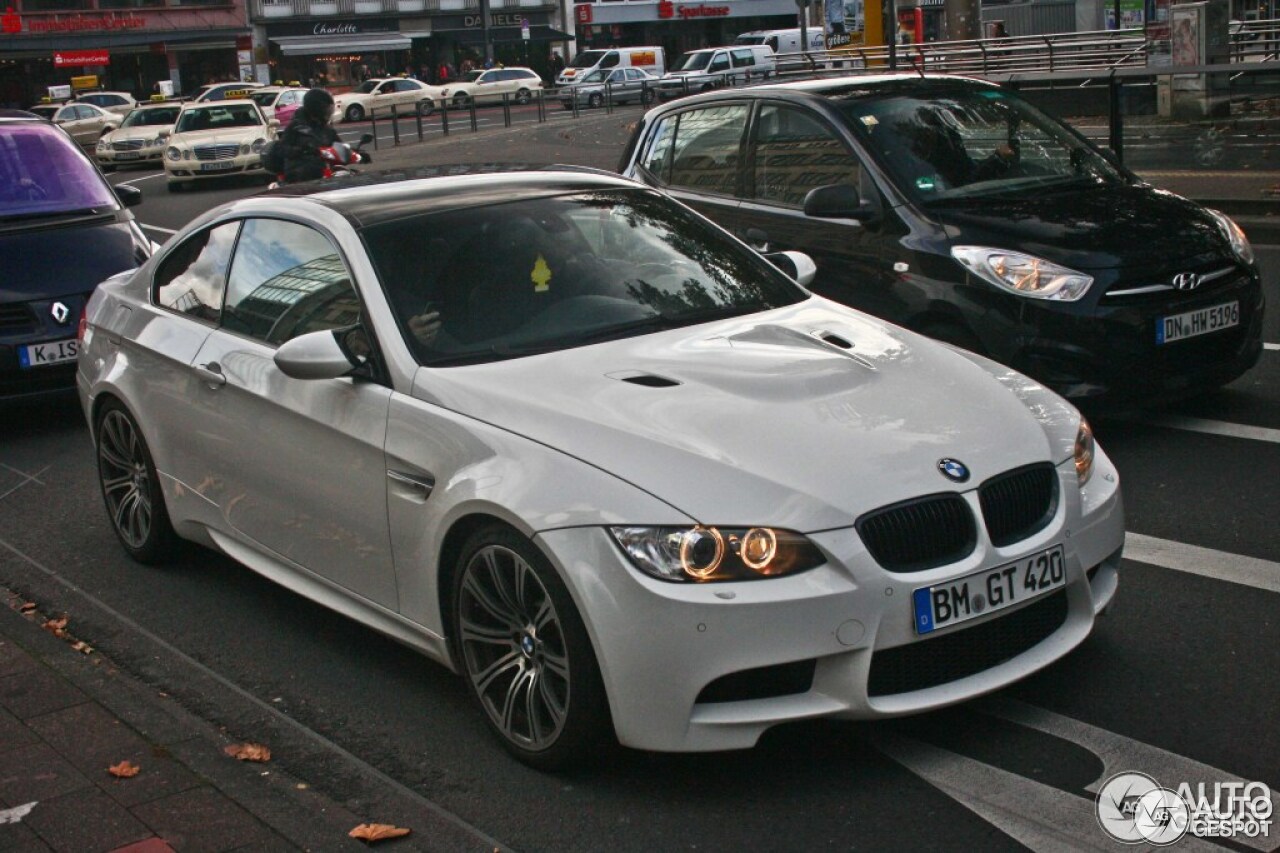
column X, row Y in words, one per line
column 124, row 770
column 377, row 832
column 57, row 627
column 248, row 752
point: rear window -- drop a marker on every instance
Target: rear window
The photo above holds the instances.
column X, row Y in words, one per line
column 42, row 172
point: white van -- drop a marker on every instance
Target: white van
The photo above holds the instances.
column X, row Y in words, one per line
column 650, row 59
column 784, row 41
column 713, row 67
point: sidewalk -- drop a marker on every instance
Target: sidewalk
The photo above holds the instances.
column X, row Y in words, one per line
column 66, row 716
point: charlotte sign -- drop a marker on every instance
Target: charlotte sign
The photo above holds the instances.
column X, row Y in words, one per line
column 79, row 58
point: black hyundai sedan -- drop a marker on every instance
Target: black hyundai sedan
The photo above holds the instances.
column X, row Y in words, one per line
column 956, row 208
column 62, row 230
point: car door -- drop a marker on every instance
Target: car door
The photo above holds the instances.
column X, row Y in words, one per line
column 792, row 150
column 696, row 154
column 301, row 470
column 76, row 119
column 383, row 96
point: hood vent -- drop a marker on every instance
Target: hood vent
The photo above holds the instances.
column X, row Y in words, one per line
column 833, row 339
column 648, row 380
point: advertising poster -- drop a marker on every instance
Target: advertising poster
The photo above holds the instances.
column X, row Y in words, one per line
column 836, row 31
column 1132, row 14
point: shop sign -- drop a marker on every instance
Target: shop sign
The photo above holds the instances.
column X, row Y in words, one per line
column 332, row 28
column 77, row 58
column 13, row 24
column 446, row 23
column 582, row 13
column 667, row 9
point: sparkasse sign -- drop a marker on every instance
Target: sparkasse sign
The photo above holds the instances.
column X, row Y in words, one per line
column 78, row 58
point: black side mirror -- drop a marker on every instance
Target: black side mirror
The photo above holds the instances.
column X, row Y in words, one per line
column 366, row 138
column 837, row 201
column 129, row 196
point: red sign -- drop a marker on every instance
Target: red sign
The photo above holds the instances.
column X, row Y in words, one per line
column 701, row 11
column 582, row 14
column 80, row 24
column 77, row 58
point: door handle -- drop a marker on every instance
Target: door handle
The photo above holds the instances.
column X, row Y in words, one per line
column 757, row 239
column 211, row 374
column 417, row 486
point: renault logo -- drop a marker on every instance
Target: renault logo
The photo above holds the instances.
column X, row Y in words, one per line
column 1186, row 281
column 60, row 313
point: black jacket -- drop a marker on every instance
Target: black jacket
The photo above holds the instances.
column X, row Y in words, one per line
column 302, row 141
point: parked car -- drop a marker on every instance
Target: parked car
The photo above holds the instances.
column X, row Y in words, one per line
column 619, row 86
column 488, row 87
column 956, row 208
column 652, row 59
column 623, row 474
column 270, row 99
column 715, row 67
column 232, row 91
column 214, row 139
column 46, row 111
column 141, row 137
column 84, row 123
column 62, row 231
column 115, row 102
column 380, row 95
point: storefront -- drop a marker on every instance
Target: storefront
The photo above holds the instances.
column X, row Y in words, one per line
column 678, row 27
column 140, row 48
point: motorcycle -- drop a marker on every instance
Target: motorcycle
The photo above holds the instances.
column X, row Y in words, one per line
column 339, row 158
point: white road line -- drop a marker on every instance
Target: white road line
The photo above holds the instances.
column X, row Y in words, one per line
column 1035, row 814
column 1273, row 347
column 133, row 181
column 1119, row 754
column 1231, row 430
column 156, row 228
column 1219, row 565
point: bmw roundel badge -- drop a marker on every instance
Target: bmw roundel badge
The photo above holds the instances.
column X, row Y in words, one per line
column 954, row 470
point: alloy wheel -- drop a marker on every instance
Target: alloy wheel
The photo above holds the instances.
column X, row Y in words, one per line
column 126, row 481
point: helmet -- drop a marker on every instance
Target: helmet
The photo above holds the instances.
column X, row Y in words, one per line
column 317, row 103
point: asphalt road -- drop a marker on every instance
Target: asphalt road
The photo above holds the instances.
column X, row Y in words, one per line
column 1178, row 680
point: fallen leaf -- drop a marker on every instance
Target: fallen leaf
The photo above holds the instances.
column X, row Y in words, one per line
column 82, row 646
column 248, row 752
column 27, row 607
column 124, row 770
column 56, row 626
column 377, row 832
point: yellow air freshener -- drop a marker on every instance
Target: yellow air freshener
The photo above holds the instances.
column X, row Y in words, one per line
column 541, row 275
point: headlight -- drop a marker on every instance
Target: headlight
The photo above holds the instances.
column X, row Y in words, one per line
column 1022, row 274
column 103, row 144
column 257, row 145
column 1235, row 236
column 173, row 153
column 244, row 149
column 1084, row 452
column 155, row 143
column 716, row 554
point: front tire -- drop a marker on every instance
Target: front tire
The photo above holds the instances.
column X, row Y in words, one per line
column 131, row 488
column 355, row 112
column 524, row 652
column 524, row 96
column 425, row 108
column 595, row 100
column 460, row 102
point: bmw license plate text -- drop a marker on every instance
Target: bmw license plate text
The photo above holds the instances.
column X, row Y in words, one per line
column 53, row 352
column 987, row 591
column 1199, row 322
column 220, row 166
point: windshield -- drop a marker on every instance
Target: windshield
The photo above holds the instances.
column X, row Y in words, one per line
column 946, row 142
column 749, row 40
column 156, row 116
column 587, row 59
column 44, row 111
column 593, row 76
column 547, row 274
column 264, row 99
column 472, row 76
column 219, row 118
column 694, row 61
column 44, row 173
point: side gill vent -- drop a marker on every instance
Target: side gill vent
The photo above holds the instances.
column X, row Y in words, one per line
column 836, row 340
column 648, row 380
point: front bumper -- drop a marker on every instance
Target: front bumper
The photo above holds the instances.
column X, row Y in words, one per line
column 708, row 667
column 29, row 324
column 142, row 156
column 189, row 170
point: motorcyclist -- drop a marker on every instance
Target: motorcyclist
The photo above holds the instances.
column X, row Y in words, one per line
column 307, row 133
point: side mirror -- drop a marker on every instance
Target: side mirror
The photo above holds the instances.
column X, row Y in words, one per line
column 837, row 201
column 366, row 138
column 273, row 122
column 316, row 355
column 798, row 265
column 129, row 196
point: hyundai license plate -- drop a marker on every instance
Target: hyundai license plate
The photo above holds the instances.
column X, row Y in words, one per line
column 1202, row 321
column 220, row 166
column 52, row 352
column 987, row 591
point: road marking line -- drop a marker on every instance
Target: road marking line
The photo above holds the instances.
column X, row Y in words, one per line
column 1035, row 814
column 1272, row 347
column 133, row 181
column 1206, row 562
column 1231, row 430
column 16, row 814
column 26, row 478
column 1119, row 753
column 156, row 228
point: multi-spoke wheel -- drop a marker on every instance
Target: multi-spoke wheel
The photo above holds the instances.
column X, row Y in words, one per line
column 525, row 654
column 130, row 487
column 355, row 112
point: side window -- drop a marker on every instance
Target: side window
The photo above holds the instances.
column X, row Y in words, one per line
column 610, row 59
column 657, row 160
column 743, row 59
column 192, row 278
column 719, row 62
column 287, row 280
column 705, row 156
column 796, row 152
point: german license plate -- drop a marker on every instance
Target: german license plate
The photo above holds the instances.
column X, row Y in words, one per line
column 1202, row 321
column 220, row 166
column 128, row 155
column 988, row 591
column 52, row 352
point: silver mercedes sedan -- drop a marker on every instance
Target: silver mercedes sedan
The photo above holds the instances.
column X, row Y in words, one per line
column 625, row 475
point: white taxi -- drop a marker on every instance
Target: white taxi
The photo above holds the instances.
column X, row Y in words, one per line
column 488, row 87
column 141, row 138
column 380, row 95
column 216, row 138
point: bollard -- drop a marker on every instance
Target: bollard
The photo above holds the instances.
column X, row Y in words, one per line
column 576, row 107
column 417, row 116
column 1116, row 110
column 444, row 117
column 506, row 109
column 373, row 128
column 471, row 105
column 542, row 107
column 608, row 97
column 395, row 124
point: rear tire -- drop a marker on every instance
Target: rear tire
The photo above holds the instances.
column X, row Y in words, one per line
column 460, row 102
column 595, row 99
column 524, row 652
column 425, row 108
column 131, row 488
column 524, row 96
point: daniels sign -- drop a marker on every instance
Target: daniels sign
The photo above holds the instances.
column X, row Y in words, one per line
column 77, row 58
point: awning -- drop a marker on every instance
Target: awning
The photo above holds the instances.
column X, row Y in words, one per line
column 355, row 43
column 506, row 35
